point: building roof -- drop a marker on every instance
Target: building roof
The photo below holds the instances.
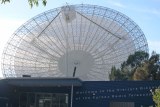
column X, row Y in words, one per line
column 43, row 82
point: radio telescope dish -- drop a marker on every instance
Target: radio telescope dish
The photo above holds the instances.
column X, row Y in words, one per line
column 82, row 41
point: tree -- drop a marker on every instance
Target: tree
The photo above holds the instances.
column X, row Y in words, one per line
column 130, row 66
column 112, row 75
column 116, row 74
column 149, row 69
column 156, row 97
column 142, row 72
column 31, row 2
column 138, row 66
column 154, row 67
column 137, row 58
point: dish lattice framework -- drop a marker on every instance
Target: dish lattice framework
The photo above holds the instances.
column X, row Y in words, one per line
column 82, row 41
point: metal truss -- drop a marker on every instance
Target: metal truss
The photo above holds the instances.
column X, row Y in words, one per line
column 107, row 35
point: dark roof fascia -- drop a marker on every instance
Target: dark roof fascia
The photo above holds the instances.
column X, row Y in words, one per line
column 42, row 82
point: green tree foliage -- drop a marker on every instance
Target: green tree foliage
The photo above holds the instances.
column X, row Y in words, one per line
column 128, row 67
column 120, row 74
column 149, row 70
column 156, row 97
column 31, row 2
column 137, row 58
column 154, row 67
column 138, row 67
column 115, row 74
column 142, row 72
column 112, row 75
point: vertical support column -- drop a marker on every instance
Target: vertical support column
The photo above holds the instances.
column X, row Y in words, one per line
column 72, row 95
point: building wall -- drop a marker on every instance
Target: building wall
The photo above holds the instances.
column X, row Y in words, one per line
column 104, row 94
column 4, row 94
column 91, row 93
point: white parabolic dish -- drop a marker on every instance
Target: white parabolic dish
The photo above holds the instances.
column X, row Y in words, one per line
column 82, row 41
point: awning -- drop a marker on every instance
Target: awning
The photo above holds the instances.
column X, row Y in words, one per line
column 43, row 82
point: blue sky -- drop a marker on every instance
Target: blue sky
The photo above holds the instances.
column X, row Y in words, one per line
column 146, row 13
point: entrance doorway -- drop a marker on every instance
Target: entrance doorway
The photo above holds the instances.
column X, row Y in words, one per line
column 43, row 100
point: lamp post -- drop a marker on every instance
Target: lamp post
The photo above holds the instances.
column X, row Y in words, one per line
column 74, row 72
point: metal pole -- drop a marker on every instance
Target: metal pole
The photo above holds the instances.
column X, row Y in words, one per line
column 74, row 72
column 72, row 95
